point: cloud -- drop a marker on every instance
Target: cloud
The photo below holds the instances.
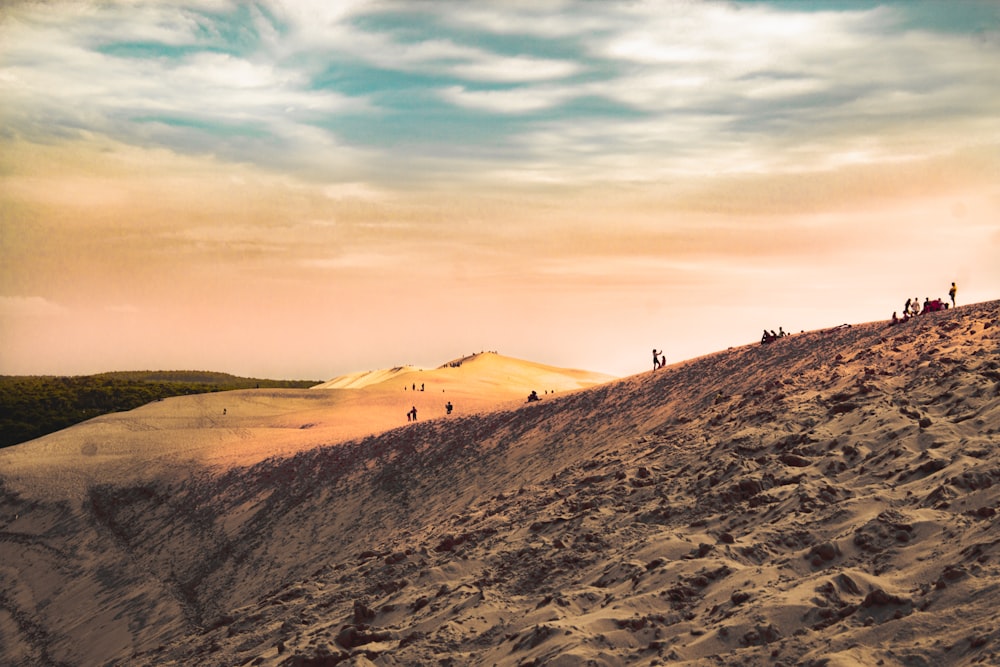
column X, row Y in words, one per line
column 70, row 77
column 493, row 68
column 557, row 19
column 379, row 91
column 511, row 101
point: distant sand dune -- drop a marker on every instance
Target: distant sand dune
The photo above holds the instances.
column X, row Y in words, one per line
column 246, row 426
column 828, row 499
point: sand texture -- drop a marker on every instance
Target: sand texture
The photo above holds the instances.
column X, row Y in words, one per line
column 829, row 499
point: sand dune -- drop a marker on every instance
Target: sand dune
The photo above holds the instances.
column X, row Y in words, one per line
column 828, row 499
column 367, row 378
column 486, row 375
column 243, row 427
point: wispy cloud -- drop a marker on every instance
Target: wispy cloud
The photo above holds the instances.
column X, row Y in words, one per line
column 319, row 87
column 508, row 101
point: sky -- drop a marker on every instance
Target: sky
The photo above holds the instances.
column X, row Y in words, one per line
column 308, row 188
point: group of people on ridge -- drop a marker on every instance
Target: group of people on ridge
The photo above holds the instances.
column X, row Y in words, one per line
column 533, row 396
column 770, row 336
column 912, row 307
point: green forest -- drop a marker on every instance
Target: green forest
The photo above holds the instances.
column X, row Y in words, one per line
column 33, row 405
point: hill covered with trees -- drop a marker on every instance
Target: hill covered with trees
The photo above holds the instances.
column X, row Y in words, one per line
column 35, row 405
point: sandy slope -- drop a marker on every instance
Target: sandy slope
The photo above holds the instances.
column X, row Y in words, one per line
column 244, row 427
column 829, row 499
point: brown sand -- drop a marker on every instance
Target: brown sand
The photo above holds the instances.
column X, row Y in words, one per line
column 235, row 428
column 828, row 499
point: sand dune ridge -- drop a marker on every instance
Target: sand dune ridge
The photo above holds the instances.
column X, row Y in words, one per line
column 829, row 499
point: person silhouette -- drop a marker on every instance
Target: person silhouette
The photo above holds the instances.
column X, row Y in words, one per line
column 951, row 293
column 656, row 358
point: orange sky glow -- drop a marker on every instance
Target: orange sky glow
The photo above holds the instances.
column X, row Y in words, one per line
column 567, row 191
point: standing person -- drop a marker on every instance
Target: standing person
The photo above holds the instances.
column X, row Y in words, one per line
column 906, row 308
column 951, row 293
column 414, row 413
column 656, row 358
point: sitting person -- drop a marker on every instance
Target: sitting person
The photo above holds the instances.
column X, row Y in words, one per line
column 933, row 306
column 533, row 396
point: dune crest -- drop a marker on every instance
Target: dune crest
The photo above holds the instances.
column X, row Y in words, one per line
column 484, row 369
column 365, row 378
column 828, row 499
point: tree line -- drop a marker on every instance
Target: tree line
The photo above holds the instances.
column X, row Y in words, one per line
column 34, row 405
